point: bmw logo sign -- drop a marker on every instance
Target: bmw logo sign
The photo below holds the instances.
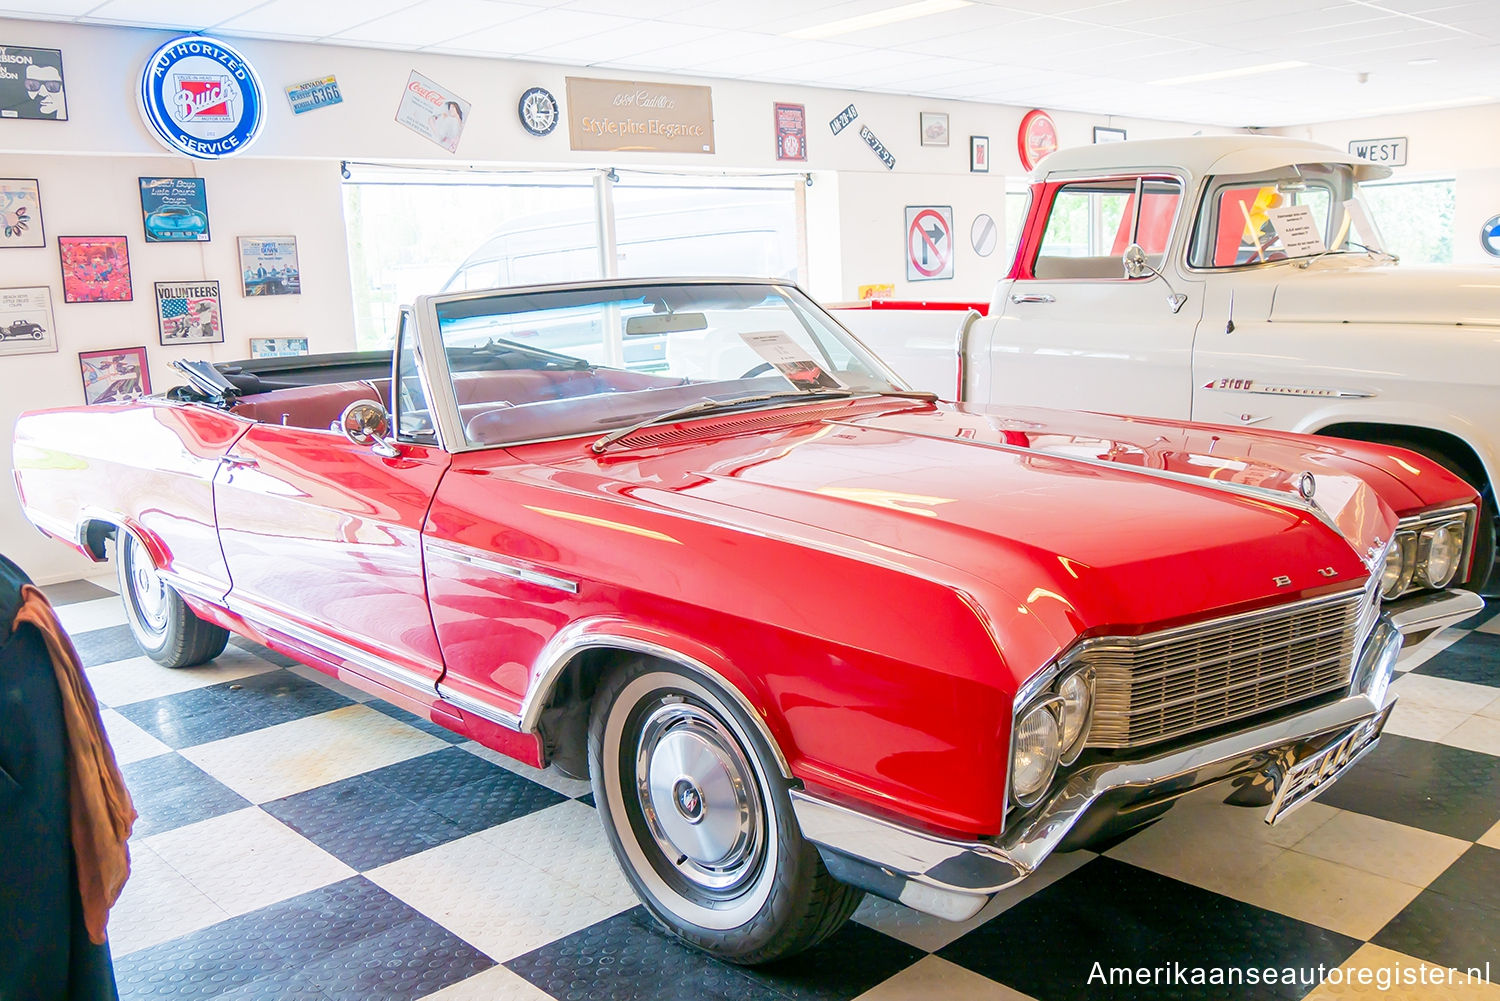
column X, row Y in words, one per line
column 538, row 110
column 201, row 97
column 1489, row 236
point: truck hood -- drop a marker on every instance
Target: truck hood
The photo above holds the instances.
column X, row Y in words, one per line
column 1328, row 292
column 1085, row 532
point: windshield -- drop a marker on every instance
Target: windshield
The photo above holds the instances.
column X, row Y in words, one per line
column 551, row 364
column 1300, row 210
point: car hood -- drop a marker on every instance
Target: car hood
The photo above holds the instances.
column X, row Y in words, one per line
column 1387, row 294
column 1088, row 531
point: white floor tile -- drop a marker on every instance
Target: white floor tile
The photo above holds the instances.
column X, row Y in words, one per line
column 158, row 903
column 1492, row 839
column 1444, row 693
column 348, row 691
column 1383, row 848
column 130, row 742
column 303, row 754
column 494, row 984
column 1434, row 985
column 1328, row 894
column 139, row 678
column 1478, row 733
column 568, row 841
column 1413, row 719
column 934, row 979
column 1491, row 626
column 549, row 776
column 247, row 859
column 83, row 616
column 503, row 906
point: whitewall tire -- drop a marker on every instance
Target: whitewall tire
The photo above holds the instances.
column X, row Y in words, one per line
column 164, row 626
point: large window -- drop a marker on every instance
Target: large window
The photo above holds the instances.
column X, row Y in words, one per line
column 410, row 235
column 1415, row 218
column 1091, row 223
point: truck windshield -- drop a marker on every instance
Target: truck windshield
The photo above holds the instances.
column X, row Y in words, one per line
column 1300, row 210
column 536, row 365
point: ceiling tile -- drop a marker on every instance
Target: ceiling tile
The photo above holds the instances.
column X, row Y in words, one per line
column 315, row 20
column 185, row 14
column 432, row 21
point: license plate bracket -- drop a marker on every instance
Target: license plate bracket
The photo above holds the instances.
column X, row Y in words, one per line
column 1307, row 777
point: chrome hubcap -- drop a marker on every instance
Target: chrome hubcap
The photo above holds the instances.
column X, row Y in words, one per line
column 150, row 591
column 698, row 795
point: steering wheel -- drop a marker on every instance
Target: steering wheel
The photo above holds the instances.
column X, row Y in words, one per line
column 760, row 369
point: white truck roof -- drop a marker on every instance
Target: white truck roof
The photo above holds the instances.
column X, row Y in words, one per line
column 1200, row 156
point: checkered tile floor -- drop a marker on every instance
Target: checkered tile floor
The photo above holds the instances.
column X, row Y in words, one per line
column 299, row 839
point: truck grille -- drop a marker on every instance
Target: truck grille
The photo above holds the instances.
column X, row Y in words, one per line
column 1161, row 685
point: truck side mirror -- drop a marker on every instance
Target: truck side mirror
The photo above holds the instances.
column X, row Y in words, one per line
column 1134, row 260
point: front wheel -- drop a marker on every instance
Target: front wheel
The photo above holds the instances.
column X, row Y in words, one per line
column 700, row 820
column 165, row 628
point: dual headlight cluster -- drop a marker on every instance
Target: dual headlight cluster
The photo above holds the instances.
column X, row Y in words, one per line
column 1050, row 731
column 1425, row 554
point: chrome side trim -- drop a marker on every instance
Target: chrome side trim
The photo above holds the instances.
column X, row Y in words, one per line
column 594, row 634
column 56, row 527
column 984, row 867
column 515, row 569
column 483, row 710
column 961, row 346
column 1421, row 617
column 182, row 584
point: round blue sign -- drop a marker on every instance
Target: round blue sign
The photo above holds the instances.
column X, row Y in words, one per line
column 200, row 97
column 1489, row 236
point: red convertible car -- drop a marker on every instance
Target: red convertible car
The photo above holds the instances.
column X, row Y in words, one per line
column 809, row 633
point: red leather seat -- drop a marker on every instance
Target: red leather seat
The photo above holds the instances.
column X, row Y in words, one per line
column 305, row 406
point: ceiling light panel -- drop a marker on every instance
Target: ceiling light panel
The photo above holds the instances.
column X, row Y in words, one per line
column 878, row 17
column 623, row 43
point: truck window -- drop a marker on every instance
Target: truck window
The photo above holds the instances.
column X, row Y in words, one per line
column 1092, row 222
column 1235, row 229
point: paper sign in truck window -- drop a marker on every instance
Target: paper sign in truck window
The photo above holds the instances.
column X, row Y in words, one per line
column 1298, row 230
column 790, row 359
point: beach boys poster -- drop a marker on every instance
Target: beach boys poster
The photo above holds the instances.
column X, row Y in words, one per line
column 94, row 268
column 188, row 312
column 31, row 84
column 432, row 111
column 174, row 209
column 268, row 265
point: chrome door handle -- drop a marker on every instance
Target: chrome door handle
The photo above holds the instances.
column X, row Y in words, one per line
column 1031, row 297
column 238, row 461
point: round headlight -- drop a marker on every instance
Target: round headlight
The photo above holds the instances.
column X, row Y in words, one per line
column 1442, row 547
column 1034, row 755
column 1076, row 693
column 1400, row 564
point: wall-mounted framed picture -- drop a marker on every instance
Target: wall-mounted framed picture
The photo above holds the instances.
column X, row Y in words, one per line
column 114, row 375
column 188, row 313
column 934, row 128
column 268, row 266
column 1107, row 135
column 26, row 325
column 277, row 347
column 95, row 268
column 21, row 213
column 174, row 209
column 979, row 154
column 32, row 85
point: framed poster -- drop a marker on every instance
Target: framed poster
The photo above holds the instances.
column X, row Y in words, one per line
column 934, row 128
column 979, row 154
column 94, row 268
column 432, row 111
column 174, row 209
column 114, row 375
column 31, row 84
column 268, row 266
column 21, row 213
column 277, row 347
column 188, row 313
column 26, row 326
column 791, row 132
column 1107, row 135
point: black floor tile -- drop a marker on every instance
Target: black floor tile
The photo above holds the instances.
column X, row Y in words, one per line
column 1475, row 658
column 587, row 799
column 1448, row 931
column 1062, row 941
column 263, row 652
column 409, row 960
column 413, row 720
column 105, row 646
column 170, row 791
column 231, row 708
column 362, row 823
column 630, row 956
column 1475, row 878
column 1480, row 617
column 70, row 592
column 466, row 789
column 436, row 772
column 1447, row 790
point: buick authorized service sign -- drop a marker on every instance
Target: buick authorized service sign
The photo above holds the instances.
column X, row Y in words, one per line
column 200, row 97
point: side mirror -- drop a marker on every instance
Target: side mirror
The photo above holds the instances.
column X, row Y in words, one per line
column 366, row 422
column 1134, row 260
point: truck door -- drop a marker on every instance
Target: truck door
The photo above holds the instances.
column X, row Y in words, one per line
column 1074, row 331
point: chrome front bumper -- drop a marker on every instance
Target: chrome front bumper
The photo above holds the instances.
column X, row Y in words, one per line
column 954, row 879
column 1423, row 616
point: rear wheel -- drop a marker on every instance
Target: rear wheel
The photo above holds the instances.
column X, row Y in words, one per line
column 165, row 628
column 700, row 820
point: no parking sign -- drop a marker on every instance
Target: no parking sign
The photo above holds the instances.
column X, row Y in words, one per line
column 929, row 242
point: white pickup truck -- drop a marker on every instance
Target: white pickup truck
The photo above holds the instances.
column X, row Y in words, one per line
column 1229, row 280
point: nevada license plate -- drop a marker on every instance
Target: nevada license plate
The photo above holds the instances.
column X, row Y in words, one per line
column 1311, row 775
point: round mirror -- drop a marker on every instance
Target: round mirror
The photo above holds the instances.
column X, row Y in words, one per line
column 1134, row 260
column 365, row 422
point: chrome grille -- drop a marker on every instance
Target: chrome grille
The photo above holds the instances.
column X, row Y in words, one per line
column 1161, row 685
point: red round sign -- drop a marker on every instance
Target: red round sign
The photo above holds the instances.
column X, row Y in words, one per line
column 1036, row 138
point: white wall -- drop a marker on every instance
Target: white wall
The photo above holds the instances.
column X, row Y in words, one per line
column 1462, row 143
column 289, row 183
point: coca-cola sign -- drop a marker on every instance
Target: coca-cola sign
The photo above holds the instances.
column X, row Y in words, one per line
column 433, row 111
column 201, row 97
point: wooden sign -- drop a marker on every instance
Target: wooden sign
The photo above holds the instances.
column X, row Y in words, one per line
column 615, row 115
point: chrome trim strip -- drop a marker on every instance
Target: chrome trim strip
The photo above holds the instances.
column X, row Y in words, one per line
column 55, row 527
column 961, row 345
column 180, row 583
column 1315, row 392
column 457, row 552
column 484, row 710
column 984, row 867
column 1435, row 611
column 592, row 634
